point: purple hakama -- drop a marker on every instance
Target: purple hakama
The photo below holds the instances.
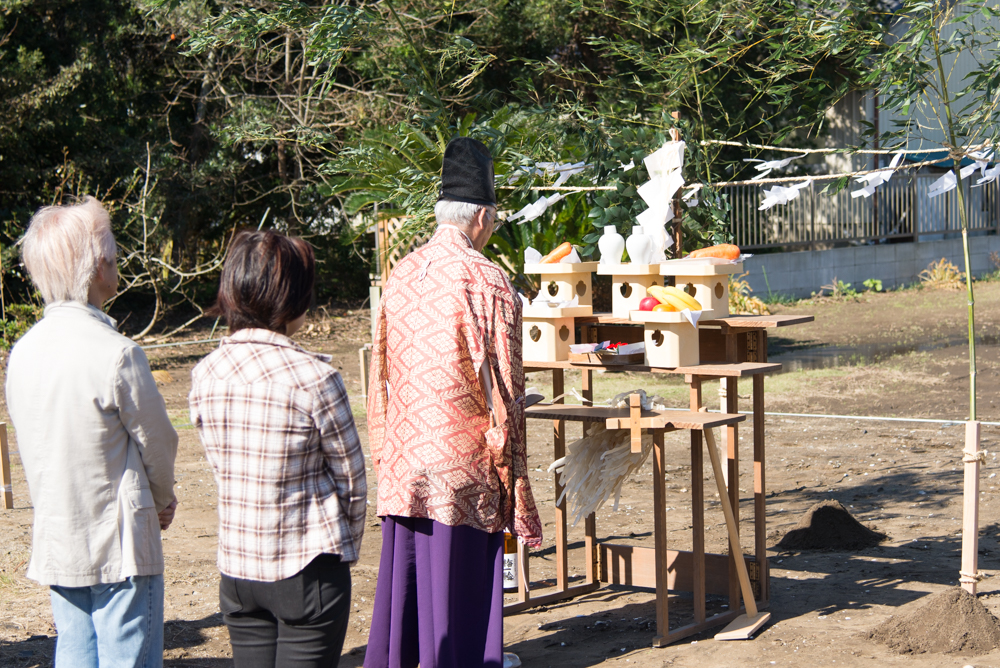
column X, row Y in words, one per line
column 439, row 597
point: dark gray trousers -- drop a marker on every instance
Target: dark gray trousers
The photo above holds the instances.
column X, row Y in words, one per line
column 299, row 622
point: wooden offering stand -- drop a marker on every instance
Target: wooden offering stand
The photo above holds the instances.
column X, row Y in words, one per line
column 706, row 280
column 628, row 285
column 671, row 341
column 737, row 348
column 549, row 331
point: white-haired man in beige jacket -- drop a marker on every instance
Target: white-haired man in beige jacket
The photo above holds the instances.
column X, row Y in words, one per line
column 97, row 448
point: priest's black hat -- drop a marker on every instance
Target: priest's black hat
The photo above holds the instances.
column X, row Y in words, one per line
column 467, row 172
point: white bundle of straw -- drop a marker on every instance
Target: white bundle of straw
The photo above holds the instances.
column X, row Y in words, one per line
column 596, row 465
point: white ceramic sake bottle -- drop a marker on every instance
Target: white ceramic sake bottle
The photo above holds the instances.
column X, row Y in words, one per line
column 611, row 245
column 657, row 234
column 639, row 246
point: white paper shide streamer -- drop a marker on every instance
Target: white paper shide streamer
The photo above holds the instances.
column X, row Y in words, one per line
column 876, row 179
column 781, row 195
column 767, row 166
column 535, row 209
column 539, row 206
column 664, row 167
column 948, row 182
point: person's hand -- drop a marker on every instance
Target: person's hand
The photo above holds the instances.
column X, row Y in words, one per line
column 167, row 515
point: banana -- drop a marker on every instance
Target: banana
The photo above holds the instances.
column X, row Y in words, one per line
column 674, row 297
column 658, row 293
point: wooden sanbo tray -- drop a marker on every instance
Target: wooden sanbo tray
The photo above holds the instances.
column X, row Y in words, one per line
column 606, row 359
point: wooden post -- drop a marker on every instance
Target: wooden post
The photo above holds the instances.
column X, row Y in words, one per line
column 731, row 476
column 559, row 451
column 364, row 353
column 660, row 538
column 697, row 508
column 590, row 523
column 970, row 512
column 634, row 413
column 675, row 135
column 8, row 491
column 760, row 491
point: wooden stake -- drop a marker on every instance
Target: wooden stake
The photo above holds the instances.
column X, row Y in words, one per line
column 970, row 511
column 8, row 491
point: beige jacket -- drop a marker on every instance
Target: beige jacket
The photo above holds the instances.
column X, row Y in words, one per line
column 97, row 448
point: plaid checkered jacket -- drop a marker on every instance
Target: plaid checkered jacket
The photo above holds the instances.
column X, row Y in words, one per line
column 278, row 432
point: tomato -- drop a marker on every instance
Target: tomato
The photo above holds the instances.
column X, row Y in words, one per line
column 648, row 303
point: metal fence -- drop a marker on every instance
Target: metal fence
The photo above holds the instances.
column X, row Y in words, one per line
column 898, row 209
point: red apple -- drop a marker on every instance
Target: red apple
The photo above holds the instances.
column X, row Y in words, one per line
column 648, row 303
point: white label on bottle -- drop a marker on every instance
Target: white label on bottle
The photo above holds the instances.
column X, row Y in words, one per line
column 510, row 570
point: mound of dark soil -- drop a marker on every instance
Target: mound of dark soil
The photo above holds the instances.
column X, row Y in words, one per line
column 829, row 526
column 950, row 622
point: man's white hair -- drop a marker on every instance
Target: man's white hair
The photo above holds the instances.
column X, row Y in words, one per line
column 457, row 213
column 64, row 246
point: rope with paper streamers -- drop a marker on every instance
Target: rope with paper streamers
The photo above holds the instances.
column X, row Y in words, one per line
column 842, row 151
column 981, row 154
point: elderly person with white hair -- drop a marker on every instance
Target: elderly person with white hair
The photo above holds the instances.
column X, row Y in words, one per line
column 97, row 448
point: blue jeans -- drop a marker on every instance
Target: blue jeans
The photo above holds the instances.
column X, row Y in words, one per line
column 116, row 625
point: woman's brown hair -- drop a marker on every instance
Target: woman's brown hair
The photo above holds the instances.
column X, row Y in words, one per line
column 267, row 281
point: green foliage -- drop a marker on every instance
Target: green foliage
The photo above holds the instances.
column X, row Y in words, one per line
column 507, row 245
column 619, row 206
column 838, row 290
column 740, row 299
column 873, row 285
column 18, row 319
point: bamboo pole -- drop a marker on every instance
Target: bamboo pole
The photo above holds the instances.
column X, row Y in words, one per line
column 969, row 575
column 8, row 490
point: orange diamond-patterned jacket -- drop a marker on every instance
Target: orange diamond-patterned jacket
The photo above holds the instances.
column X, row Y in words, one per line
column 446, row 310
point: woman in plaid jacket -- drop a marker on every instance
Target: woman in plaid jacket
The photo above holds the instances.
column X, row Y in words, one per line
column 278, row 431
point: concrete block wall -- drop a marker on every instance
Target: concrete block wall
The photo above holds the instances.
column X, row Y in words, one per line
column 800, row 273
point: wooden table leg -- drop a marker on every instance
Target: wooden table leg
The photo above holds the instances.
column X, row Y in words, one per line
column 697, row 509
column 559, row 451
column 732, row 479
column 590, row 523
column 660, row 541
column 8, row 490
column 760, row 492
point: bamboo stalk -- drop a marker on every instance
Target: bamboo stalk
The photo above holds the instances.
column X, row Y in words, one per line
column 8, row 491
column 969, row 575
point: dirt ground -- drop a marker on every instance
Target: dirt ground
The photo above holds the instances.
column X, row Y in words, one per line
column 898, row 354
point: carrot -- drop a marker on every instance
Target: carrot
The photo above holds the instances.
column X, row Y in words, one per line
column 725, row 251
column 561, row 251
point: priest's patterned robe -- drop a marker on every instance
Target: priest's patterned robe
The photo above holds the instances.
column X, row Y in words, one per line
column 448, row 324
